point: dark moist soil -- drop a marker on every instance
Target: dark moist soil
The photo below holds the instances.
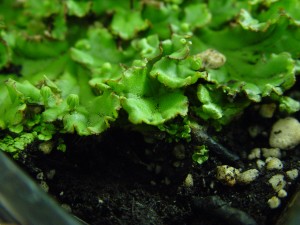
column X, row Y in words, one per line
column 118, row 178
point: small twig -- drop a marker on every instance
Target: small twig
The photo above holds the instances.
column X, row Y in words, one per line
column 222, row 210
column 200, row 136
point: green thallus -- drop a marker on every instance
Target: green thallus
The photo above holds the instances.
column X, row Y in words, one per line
column 179, row 63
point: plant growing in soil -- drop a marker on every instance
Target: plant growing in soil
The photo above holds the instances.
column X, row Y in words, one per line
column 169, row 69
column 76, row 66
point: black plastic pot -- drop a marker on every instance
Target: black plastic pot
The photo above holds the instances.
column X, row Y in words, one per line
column 291, row 214
column 23, row 202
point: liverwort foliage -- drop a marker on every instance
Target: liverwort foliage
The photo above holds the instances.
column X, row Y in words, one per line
column 200, row 154
column 80, row 66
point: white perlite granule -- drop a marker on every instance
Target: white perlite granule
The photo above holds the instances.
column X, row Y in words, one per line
column 273, row 163
column 277, row 182
column 285, row 133
column 274, row 202
column 292, row 174
column 227, row 174
column 247, row 176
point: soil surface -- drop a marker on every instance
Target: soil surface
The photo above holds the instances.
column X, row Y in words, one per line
column 118, row 178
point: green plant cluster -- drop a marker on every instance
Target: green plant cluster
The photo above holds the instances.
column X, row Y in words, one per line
column 200, row 154
column 73, row 66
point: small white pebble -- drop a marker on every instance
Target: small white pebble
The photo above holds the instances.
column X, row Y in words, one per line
column 285, row 133
column 40, row 176
column 277, row 182
column 189, row 181
column 44, row 186
column 267, row 110
column 273, row 163
column 248, row 176
column 282, row 193
column 260, row 164
column 254, row 154
column 274, row 202
column 46, row 147
column 292, row 174
column 227, row 174
column 271, row 152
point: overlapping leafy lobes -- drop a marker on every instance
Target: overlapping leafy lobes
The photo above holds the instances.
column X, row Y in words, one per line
column 78, row 63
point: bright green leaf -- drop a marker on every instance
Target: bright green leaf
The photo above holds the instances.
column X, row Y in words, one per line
column 78, row 8
column 149, row 47
column 217, row 107
column 98, row 51
column 149, row 102
column 178, row 47
column 127, row 24
column 177, row 73
column 197, row 15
